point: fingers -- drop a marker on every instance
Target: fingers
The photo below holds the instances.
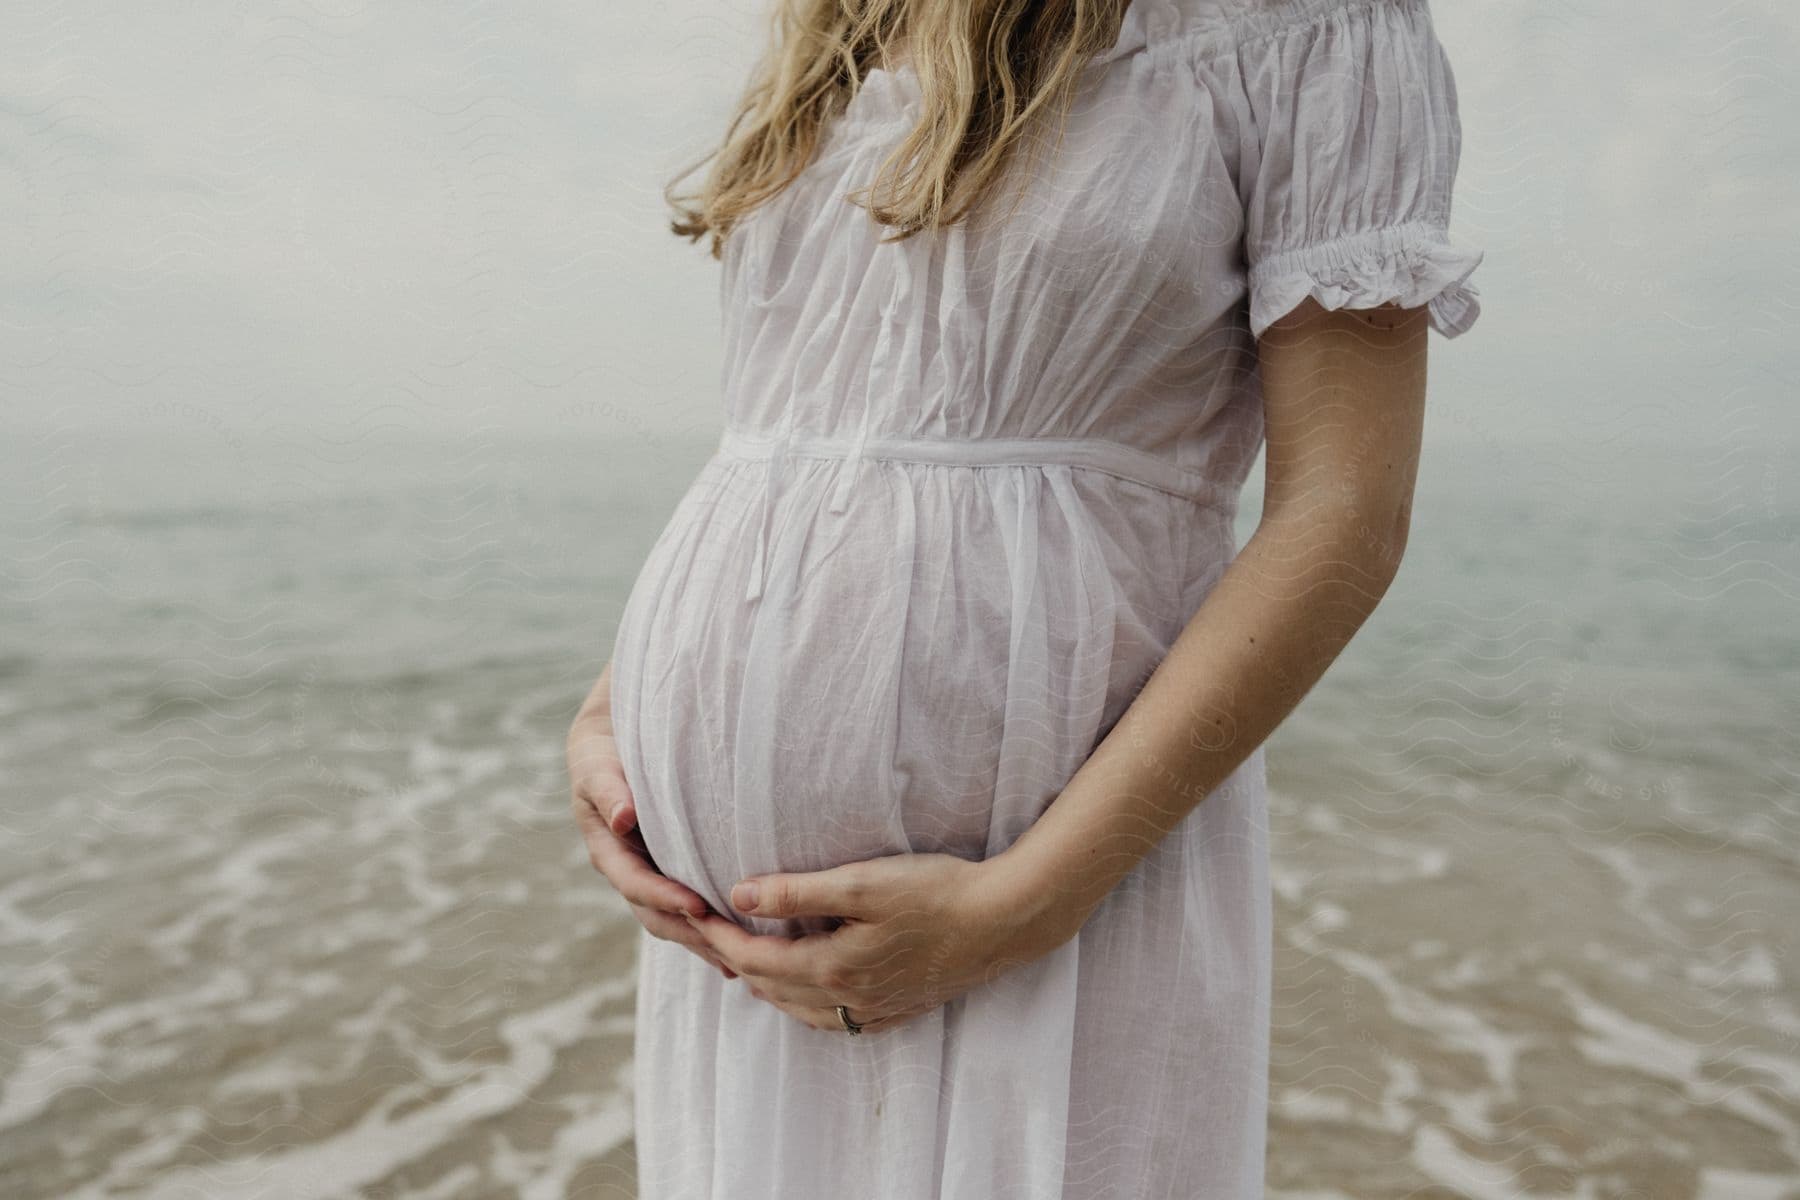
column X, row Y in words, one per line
column 813, row 1004
column 598, row 778
column 826, row 1019
column 809, row 989
column 675, row 929
column 851, row 890
column 602, row 788
column 798, row 960
column 623, row 819
column 806, row 1014
column 629, row 870
column 639, row 882
column 878, row 1025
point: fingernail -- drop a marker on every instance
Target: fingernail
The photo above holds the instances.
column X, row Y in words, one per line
column 743, row 896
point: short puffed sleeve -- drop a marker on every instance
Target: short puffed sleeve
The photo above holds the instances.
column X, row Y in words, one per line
column 1348, row 176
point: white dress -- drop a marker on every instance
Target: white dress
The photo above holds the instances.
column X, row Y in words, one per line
column 971, row 487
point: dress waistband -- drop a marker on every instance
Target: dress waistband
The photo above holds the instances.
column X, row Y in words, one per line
column 1096, row 454
column 1113, row 458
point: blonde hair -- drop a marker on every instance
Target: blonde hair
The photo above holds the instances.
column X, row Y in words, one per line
column 985, row 69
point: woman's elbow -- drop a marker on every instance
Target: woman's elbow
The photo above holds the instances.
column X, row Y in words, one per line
column 1368, row 535
column 1385, row 532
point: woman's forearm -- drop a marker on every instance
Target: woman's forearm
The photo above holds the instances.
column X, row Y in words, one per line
column 1280, row 614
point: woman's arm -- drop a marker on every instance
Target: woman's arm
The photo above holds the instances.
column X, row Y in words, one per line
column 1344, row 396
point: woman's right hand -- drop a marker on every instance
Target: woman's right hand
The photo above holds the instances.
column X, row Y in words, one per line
column 607, row 817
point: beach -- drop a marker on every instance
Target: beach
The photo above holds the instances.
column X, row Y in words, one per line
column 292, row 904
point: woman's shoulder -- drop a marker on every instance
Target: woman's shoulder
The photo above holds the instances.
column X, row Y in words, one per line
column 1208, row 25
column 1205, row 28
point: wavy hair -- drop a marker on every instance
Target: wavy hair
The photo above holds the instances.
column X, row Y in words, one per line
column 985, row 70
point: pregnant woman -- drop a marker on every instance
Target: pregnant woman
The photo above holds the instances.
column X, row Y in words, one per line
column 950, row 648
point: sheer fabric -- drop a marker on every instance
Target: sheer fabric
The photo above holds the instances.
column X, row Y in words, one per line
column 971, row 487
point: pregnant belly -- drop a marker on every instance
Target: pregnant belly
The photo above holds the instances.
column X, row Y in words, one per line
column 923, row 672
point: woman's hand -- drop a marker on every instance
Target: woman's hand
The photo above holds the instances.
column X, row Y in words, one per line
column 918, row 931
column 607, row 816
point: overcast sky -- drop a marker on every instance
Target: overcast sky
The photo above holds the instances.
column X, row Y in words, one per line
column 442, row 216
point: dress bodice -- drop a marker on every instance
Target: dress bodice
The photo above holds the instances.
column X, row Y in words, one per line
column 1221, row 161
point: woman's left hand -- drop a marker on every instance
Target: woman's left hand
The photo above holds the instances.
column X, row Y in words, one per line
column 918, row 931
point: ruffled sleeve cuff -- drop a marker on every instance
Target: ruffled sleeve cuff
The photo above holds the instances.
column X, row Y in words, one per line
column 1410, row 264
